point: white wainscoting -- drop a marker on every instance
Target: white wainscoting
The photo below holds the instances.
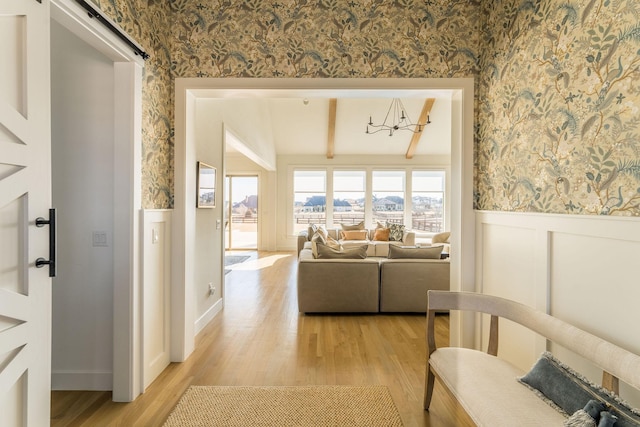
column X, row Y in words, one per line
column 156, row 291
column 582, row 269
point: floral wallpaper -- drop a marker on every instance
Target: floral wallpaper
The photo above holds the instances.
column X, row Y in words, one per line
column 149, row 23
column 559, row 119
column 326, row 38
column 557, row 123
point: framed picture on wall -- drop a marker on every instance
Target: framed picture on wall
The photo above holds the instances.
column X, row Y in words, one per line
column 206, row 186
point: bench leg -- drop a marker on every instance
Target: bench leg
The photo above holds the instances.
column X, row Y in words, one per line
column 429, row 383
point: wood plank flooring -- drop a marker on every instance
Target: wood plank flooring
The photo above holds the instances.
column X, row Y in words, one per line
column 259, row 338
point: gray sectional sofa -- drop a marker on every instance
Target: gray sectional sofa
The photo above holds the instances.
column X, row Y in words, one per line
column 370, row 285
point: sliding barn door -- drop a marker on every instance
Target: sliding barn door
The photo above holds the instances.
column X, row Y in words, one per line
column 25, row 194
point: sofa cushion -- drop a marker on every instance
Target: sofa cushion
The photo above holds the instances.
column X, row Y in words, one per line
column 353, row 234
column 404, row 283
column 381, row 234
column 338, row 285
column 487, row 389
column 396, row 231
column 399, row 252
column 564, row 388
column 359, row 226
column 326, row 252
column 382, row 248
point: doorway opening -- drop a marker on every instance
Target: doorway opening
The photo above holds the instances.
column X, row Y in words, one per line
column 192, row 94
column 100, row 129
column 241, row 212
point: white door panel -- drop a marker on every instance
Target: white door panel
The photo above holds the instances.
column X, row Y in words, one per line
column 25, row 194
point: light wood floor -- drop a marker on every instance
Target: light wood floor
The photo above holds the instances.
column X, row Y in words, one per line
column 260, row 339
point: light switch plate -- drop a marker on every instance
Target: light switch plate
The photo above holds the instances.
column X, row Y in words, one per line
column 100, row 239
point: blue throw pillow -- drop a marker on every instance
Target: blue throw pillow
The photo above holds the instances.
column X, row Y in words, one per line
column 570, row 392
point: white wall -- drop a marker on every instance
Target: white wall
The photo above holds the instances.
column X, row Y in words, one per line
column 82, row 160
column 582, row 269
column 208, row 253
column 249, row 120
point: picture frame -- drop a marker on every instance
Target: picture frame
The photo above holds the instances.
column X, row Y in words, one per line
column 205, row 186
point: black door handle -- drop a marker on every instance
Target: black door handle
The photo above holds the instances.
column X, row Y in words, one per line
column 51, row 262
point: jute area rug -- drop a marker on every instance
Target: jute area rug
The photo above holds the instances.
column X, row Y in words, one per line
column 339, row 406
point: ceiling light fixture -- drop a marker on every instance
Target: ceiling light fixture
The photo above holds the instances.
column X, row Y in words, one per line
column 398, row 120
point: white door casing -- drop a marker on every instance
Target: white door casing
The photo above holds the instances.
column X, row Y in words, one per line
column 25, row 194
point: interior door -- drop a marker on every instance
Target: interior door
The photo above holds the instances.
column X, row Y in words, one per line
column 25, row 194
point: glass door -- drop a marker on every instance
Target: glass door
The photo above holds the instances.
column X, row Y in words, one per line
column 241, row 212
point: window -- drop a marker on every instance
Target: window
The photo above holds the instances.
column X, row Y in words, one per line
column 309, row 198
column 386, row 200
column 388, row 196
column 427, row 198
column 348, row 196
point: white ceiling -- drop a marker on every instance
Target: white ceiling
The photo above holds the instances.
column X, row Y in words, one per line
column 302, row 129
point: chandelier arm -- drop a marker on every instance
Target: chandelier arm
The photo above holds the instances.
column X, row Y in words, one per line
column 400, row 120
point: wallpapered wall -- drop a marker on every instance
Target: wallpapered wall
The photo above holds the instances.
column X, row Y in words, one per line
column 149, row 23
column 557, row 126
column 559, row 107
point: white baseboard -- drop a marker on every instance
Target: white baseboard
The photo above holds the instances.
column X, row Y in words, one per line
column 204, row 320
column 81, row 380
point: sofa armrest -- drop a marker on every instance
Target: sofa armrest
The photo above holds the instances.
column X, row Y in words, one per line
column 303, row 237
column 409, row 238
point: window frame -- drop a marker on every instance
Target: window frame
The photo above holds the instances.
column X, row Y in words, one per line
column 369, row 222
column 292, row 206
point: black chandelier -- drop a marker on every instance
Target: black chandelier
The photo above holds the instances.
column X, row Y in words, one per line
column 397, row 119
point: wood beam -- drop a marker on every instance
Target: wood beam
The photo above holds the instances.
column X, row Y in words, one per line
column 415, row 139
column 333, row 105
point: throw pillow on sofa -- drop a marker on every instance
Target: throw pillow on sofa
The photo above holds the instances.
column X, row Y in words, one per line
column 326, row 252
column 353, row 235
column 441, row 237
column 359, row 226
column 398, row 252
column 327, row 240
column 396, row 232
column 381, row 234
column 320, row 235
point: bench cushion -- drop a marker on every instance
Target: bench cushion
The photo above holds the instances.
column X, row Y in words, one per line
column 488, row 389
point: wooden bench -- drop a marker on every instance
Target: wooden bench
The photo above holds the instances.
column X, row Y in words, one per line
column 487, row 386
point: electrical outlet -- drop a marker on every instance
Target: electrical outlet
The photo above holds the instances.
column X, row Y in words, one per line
column 212, row 289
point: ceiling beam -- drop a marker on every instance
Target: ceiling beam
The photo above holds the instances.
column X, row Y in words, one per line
column 424, row 115
column 331, row 140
